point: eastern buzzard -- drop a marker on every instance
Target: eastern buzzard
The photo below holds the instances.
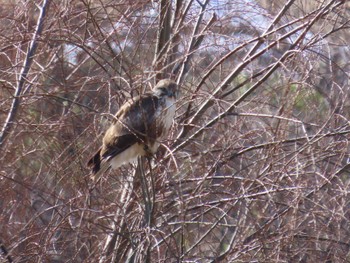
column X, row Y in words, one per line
column 139, row 126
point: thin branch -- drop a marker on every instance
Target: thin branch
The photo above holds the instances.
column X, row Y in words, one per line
column 163, row 38
column 194, row 47
column 183, row 68
column 24, row 72
column 288, row 54
column 282, row 212
column 248, row 59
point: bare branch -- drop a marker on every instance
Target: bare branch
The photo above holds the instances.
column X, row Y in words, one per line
column 24, row 72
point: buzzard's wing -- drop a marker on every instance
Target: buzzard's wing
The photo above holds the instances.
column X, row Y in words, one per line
column 135, row 123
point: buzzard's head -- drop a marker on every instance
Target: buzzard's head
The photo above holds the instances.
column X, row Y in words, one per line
column 166, row 87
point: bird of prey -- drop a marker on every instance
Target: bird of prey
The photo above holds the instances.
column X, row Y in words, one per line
column 137, row 129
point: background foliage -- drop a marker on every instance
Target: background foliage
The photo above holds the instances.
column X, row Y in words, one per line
column 255, row 169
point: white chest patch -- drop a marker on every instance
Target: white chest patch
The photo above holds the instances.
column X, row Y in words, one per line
column 168, row 113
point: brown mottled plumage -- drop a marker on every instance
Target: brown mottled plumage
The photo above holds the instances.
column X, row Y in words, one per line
column 138, row 127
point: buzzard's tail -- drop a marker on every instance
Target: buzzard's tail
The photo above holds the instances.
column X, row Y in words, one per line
column 97, row 165
column 95, row 162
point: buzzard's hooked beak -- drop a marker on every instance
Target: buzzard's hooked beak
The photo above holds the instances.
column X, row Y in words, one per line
column 172, row 94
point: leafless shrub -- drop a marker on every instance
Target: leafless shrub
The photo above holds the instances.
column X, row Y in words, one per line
column 255, row 168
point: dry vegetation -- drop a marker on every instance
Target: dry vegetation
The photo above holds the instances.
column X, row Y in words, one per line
column 256, row 168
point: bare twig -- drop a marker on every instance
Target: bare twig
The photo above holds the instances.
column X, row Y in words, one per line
column 24, row 72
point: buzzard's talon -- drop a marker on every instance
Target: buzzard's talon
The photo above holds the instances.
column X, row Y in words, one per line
column 148, row 152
